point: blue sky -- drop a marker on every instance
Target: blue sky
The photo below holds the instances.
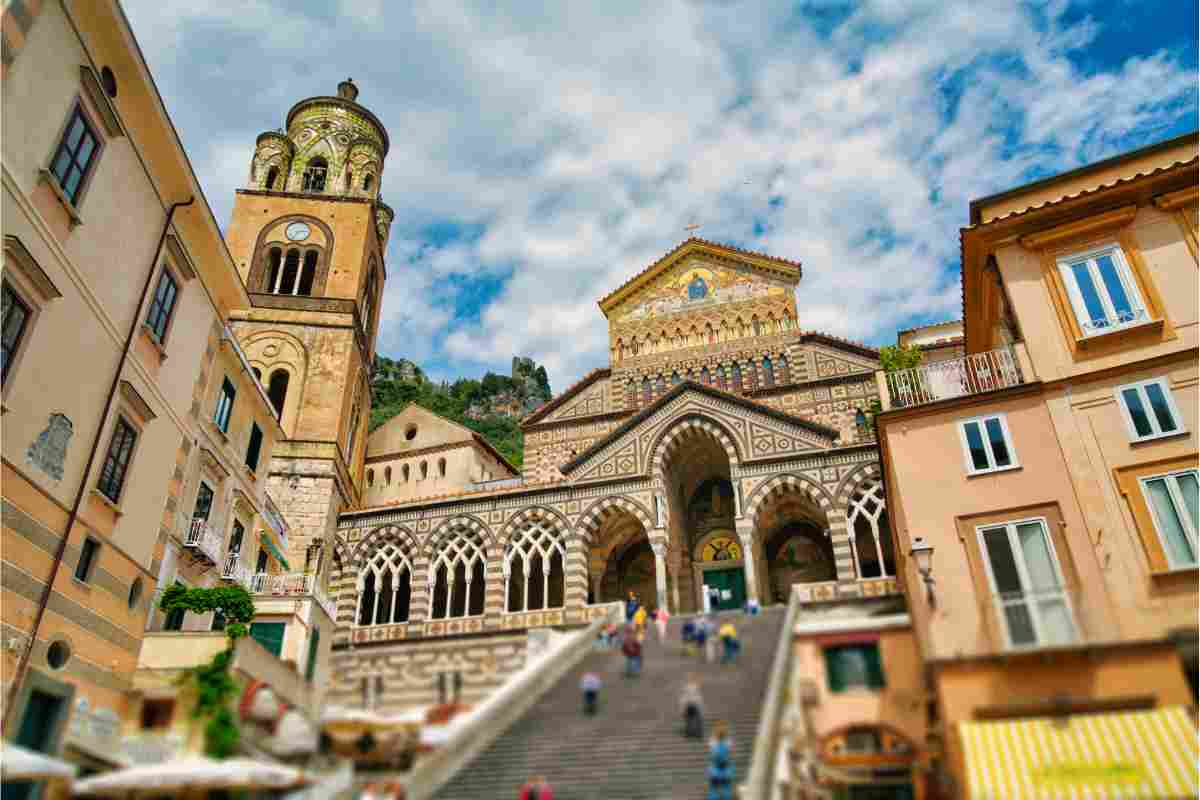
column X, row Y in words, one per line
column 544, row 153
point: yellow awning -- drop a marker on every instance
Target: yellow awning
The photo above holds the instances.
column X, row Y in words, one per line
column 1151, row 754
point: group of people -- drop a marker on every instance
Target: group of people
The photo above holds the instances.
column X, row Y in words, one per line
column 698, row 635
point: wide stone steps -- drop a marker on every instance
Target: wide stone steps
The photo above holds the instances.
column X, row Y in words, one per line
column 633, row 748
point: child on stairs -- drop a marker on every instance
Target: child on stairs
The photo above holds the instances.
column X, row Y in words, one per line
column 692, row 704
column 590, row 684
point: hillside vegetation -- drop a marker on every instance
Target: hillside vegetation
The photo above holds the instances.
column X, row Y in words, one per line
column 491, row 406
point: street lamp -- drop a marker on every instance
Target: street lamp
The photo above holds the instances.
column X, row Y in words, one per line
column 922, row 554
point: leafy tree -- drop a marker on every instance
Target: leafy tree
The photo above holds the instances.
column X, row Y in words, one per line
column 893, row 357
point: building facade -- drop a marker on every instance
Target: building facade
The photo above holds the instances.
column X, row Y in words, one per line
column 721, row 450
column 1044, row 485
column 137, row 434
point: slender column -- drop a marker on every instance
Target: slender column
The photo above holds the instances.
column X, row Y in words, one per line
column 660, row 572
column 746, row 537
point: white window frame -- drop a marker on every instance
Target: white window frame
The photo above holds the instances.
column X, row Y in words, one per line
column 969, row 462
column 997, row 603
column 1157, row 432
column 1128, row 283
column 1180, row 510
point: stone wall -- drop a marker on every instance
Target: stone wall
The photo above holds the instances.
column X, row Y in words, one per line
column 306, row 493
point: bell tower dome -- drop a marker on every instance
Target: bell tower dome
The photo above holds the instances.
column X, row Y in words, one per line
column 309, row 233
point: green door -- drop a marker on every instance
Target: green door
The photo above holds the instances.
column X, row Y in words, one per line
column 269, row 635
column 731, row 584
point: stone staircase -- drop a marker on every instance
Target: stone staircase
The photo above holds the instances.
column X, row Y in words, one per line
column 633, row 748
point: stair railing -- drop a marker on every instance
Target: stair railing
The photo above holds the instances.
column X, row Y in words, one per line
column 766, row 741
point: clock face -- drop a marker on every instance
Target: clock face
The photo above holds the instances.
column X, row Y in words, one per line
column 297, row 231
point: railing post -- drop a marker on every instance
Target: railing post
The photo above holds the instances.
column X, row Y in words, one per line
column 885, row 396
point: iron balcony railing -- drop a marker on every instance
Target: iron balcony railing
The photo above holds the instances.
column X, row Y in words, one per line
column 941, row 380
column 203, row 540
column 292, row 584
column 235, row 571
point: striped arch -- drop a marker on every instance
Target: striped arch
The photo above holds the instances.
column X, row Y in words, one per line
column 340, row 581
column 785, row 483
column 593, row 518
column 458, row 522
column 531, row 514
column 683, row 430
column 851, row 481
column 403, row 537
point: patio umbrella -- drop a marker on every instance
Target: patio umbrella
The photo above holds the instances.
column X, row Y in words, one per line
column 20, row 764
column 187, row 774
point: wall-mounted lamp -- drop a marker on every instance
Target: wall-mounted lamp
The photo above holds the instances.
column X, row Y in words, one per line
column 922, row 554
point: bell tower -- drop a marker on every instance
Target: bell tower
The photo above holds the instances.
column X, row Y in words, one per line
column 308, row 234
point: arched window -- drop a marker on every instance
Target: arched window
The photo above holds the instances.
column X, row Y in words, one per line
column 308, row 274
column 658, row 384
column 287, row 276
column 721, row 377
column 370, row 477
column 533, row 569
column 710, row 335
column 272, row 174
column 441, row 467
column 385, row 587
column 631, row 392
column 424, row 470
column 768, row 372
column 784, row 375
column 737, row 377
column 368, row 179
column 675, row 379
column 458, row 576
column 257, row 373
column 368, row 312
column 705, row 376
column 755, row 326
column 387, row 476
column 277, row 390
column 404, row 472
column 314, row 175
column 873, row 552
column 646, row 391
column 274, row 259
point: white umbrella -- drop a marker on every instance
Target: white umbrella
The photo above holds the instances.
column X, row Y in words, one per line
column 192, row 773
column 19, row 764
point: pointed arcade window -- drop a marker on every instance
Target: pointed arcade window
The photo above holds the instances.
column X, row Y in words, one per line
column 314, row 175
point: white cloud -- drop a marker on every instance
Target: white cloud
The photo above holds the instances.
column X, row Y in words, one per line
column 575, row 142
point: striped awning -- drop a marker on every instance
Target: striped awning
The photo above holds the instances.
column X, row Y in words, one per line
column 1151, row 754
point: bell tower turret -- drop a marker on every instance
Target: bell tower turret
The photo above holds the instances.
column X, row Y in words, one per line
column 309, row 233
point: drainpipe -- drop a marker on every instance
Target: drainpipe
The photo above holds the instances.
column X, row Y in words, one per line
column 23, row 666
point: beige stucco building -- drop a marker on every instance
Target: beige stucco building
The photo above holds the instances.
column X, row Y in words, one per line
column 136, row 433
column 1049, row 475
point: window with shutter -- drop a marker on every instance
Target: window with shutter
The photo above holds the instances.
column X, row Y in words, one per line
column 269, row 635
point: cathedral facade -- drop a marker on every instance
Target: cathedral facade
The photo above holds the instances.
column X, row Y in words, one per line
column 721, row 455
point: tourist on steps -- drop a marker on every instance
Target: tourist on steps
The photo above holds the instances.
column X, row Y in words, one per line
column 639, row 622
column 591, row 690
column 660, row 620
column 720, row 764
column 704, row 637
column 632, row 649
column 729, row 639
column 752, row 608
column 536, row 788
column 692, row 704
column 631, row 607
column 687, row 635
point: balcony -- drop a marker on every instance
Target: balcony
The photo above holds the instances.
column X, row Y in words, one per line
column 292, row 585
column 942, row 380
column 235, row 571
column 202, row 541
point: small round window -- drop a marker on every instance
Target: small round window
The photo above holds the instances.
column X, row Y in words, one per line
column 57, row 654
column 135, row 593
column 410, row 432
